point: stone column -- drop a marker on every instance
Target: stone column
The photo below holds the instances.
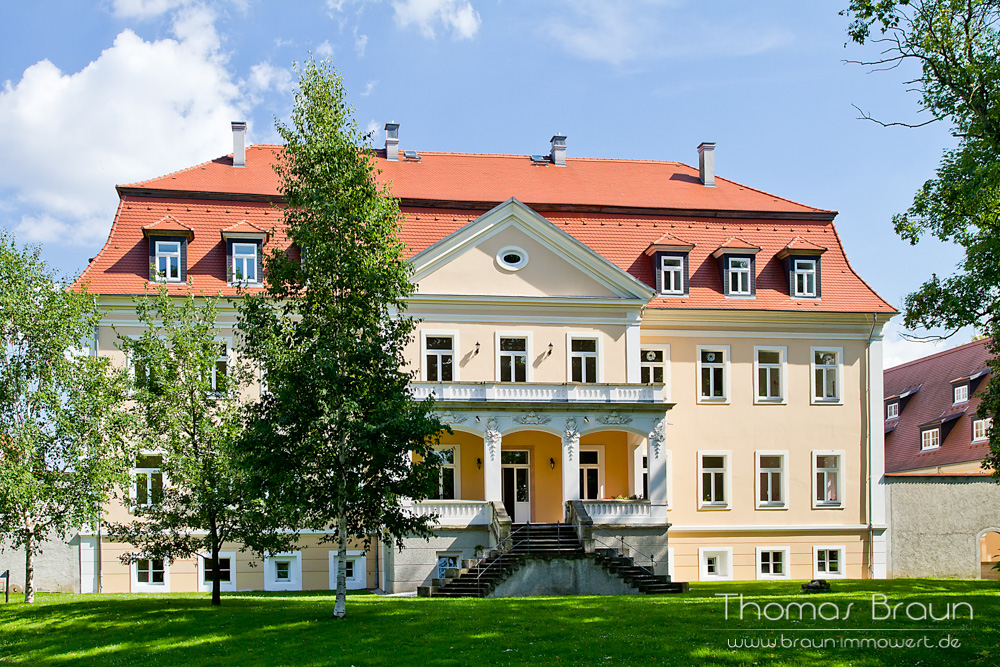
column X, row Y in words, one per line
column 656, row 460
column 571, row 461
column 493, row 482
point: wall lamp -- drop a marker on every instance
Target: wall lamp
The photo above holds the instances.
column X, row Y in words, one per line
column 477, row 347
column 552, row 463
column 550, row 350
column 479, row 463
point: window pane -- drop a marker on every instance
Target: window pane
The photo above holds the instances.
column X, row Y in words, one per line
column 520, row 368
column 658, row 374
column 711, row 357
column 438, row 343
column 763, row 488
column 447, row 483
column 505, row 369
column 584, row 345
column 706, row 381
column 521, row 476
column 720, row 487
column 142, row 571
column 157, row 487
column 446, row 368
column 513, row 345
column 591, row 363
column 593, row 488
column 157, row 572
column 768, row 357
column 775, row 383
column 671, row 261
column 775, row 487
column 717, row 382
column 644, row 375
column 713, row 461
column 446, row 455
column 706, row 487
column 349, row 569
column 770, row 462
column 141, row 492
column 762, row 382
column 517, row 457
column 588, row 458
column 577, row 366
column 831, row 384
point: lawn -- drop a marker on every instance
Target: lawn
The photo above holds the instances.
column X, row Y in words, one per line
column 297, row 629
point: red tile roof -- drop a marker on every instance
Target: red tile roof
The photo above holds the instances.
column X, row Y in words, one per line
column 625, row 205
column 168, row 224
column 800, row 244
column 931, row 405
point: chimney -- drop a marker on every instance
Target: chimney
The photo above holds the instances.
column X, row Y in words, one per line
column 239, row 143
column 558, row 152
column 706, row 162
column 392, row 141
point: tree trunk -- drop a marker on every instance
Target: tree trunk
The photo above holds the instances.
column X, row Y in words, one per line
column 216, row 584
column 29, row 567
column 340, row 608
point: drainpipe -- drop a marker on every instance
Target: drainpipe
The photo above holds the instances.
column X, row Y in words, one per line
column 868, row 401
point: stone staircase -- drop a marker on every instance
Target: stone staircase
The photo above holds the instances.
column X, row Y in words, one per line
column 543, row 542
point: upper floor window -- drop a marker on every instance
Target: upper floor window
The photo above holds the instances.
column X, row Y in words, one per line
column 652, row 365
column 244, row 268
column 583, row 358
column 960, row 393
column 713, row 365
column 672, row 274
column 220, row 368
column 770, row 363
column 167, row 261
column 513, row 359
column 930, row 438
column 147, row 478
column 713, row 481
column 439, row 355
column 981, row 429
column 828, row 478
column 892, row 410
column 738, row 276
column 770, row 479
column 804, row 277
column 826, row 375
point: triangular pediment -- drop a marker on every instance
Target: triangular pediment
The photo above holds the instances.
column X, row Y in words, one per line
column 470, row 261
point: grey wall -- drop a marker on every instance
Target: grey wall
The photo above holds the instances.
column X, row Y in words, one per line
column 561, row 576
column 935, row 524
column 57, row 568
column 416, row 565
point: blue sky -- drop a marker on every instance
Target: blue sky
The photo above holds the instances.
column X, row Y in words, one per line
column 117, row 91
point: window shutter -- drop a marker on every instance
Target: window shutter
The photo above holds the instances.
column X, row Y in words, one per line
column 260, row 262
column 184, row 258
column 753, row 275
column 152, row 259
column 657, row 273
column 723, row 263
column 686, row 276
column 819, row 291
column 229, row 260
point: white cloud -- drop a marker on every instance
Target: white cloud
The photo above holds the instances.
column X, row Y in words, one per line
column 145, row 9
column 325, row 49
column 360, row 42
column 369, row 87
column 457, row 15
column 373, row 129
column 140, row 110
column 265, row 77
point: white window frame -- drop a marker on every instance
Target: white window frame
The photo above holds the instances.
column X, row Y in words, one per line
column 806, row 273
column 457, row 465
column 930, row 438
column 892, row 410
column 841, row 560
column 457, row 555
column 678, row 272
column 786, row 555
column 657, row 347
column 570, row 355
column 203, row 569
column 424, row 335
column 781, row 368
column 136, row 471
column 724, row 558
column 761, row 505
column 498, row 365
column 601, row 463
column 960, row 394
column 984, row 425
column 295, row 572
column 244, row 257
column 838, row 370
column 746, row 274
column 841, row 464
column 517, row 266
column 167, row 278
column 360, row 579
column 229, row 361
column 727, row 481
column 150, row 587
column 726, row 361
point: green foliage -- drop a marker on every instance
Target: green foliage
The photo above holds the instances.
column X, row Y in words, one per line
column 957, row 45
column 189, row 396
column 60, row 407
column 335, row 433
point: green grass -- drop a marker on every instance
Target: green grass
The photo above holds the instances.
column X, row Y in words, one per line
column 298, row 629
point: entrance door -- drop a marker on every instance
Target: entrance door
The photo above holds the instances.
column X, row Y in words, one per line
column 590, row 475
column 516, row 484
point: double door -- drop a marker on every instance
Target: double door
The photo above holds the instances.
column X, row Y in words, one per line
column 516, row 484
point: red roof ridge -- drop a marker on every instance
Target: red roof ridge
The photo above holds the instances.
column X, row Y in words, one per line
column 981, row 341
column 174, row 173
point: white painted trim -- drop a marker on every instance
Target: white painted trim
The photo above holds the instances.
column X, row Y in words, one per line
column 728, row 479
column 295, row 572
column 584, row 335
column 455, row 352
column 842, row 562
column 782, row 374
column 360, row 579
column 138, row 587
column 724, row 565
column 726, row 374
column 89, row 567
column 529, row 366
column 841, row 473
column 785, row 564
column 670, row 563
column 512, row 267
column 839, row 400
column 783, row 453
column 652, row 330
column 807, row 528
column 633, row 345
column 229, row 587
column 665, row 348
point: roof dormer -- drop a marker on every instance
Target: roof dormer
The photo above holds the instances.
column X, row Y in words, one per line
column 801, row 261
column 738, row 266
column 671, row 266
column 168, row 240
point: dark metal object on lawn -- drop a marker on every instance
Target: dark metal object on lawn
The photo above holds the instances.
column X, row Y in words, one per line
column 816, row 586
column 6, row 586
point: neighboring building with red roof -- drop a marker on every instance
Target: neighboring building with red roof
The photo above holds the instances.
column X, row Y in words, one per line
column 565, row 306
column 935, row 443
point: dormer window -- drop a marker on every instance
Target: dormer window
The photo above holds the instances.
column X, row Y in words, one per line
column 804, row 277
column 167, row 261
column 738, row 276
column 930, row 438
column 669, row 257
column 244, row 265
column 244, row 251
column 892, row 410
column 960, row 394
column 671, row 274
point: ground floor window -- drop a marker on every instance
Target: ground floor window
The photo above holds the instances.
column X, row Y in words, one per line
column 227, row 571
column 283, row 571
column 716, row 563
column 447, row 561
column 828, row 562
column 772, row 562
column 356, row 570
column 150, row 575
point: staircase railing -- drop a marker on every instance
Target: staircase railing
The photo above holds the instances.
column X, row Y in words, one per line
column 503, row 546
column 608, row 540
